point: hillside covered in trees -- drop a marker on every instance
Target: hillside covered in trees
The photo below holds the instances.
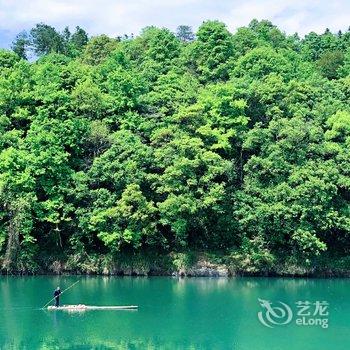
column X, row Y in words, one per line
column 235, row 144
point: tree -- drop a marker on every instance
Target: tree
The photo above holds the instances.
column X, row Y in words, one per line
column 244, row 40
column 8, row 58
column 45, row 39
column 345, row 69
column 314, row 45
column 212, row 51
column 185, row 33
column 329, row 63
column 260, row 62
column 98, row 48
column 283, row 188
column 79, row 39
column 20, row 44
column 237, row 144
column 268, row 33
column 130, row 222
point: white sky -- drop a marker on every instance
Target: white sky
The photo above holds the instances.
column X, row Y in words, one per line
column 116, row 17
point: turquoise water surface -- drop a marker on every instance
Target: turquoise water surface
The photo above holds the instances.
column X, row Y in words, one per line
column 190, row 313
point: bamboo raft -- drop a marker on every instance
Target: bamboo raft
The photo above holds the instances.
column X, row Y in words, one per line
column 82, row 307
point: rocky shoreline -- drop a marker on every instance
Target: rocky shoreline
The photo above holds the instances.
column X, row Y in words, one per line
column 182, row 264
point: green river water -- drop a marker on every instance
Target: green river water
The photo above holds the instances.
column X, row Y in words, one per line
column 190, row 313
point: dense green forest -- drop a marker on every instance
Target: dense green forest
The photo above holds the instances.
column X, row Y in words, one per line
column 230, row 143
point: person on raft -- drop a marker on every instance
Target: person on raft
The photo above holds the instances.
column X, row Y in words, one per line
column 56, row 295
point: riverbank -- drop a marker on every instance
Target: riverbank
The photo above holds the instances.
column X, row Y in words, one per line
column 188, row 264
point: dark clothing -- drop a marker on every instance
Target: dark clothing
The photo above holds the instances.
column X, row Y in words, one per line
column 56, row 295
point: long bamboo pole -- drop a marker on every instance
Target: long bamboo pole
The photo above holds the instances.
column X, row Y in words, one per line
column 60, row 294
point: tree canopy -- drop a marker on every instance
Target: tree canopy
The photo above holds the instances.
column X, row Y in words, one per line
column 215, row 141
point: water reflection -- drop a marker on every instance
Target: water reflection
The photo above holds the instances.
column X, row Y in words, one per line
column 185, row 313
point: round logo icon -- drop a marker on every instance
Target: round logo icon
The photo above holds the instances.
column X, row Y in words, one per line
column 274, row 315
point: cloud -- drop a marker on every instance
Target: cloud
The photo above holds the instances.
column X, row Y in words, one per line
column 116, row 17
